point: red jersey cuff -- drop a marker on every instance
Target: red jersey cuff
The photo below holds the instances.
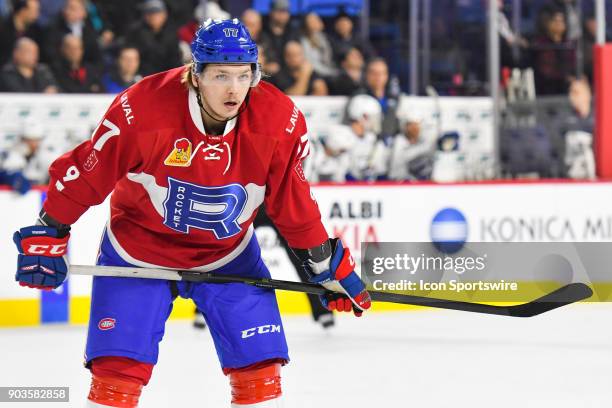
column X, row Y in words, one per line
column 62, row 208
column 304, row 239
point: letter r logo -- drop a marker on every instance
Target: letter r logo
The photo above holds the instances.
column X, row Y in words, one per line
column 214, row 209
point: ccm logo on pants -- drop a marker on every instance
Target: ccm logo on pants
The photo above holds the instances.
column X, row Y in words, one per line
column 268, row 328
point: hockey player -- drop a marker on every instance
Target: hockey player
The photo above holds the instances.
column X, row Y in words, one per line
column 189, row 155
column 353, row 151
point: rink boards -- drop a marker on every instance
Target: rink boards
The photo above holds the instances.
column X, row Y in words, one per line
column 490, row 212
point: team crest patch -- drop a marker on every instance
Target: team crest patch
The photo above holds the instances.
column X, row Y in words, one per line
column 107, row 323
column 180, row 155
column 90, row 161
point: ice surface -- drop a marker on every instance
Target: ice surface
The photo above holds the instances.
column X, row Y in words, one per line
column 426, row 359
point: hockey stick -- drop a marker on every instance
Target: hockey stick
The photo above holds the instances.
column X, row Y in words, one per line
column 565, row 295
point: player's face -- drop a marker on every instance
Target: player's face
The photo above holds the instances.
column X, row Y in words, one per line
column 224, row 87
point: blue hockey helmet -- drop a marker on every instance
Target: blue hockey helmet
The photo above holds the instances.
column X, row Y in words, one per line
column 224, row 42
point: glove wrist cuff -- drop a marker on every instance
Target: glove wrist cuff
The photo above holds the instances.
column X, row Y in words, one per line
column 315, row 254
column 316, row 259
column 45, row 219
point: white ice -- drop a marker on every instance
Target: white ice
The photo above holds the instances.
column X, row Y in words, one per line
column 426, row 359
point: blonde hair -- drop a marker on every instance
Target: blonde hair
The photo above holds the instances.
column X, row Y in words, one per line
column 186, row 78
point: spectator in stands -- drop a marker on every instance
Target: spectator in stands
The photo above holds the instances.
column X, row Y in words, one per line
column 581, row 100
column 212, row 9
column 252, row 20
column 106, row 36
column 156, row 39
column 72, row 73
column 22, row 23
column 117, row 15
column 377, row 84
column 350, row 79
column 411, row 152
column 343, row 39
column 187, row 31
column 570, row 13
column 28, row 161
column 317, row 48
column 277, row 32
column 25, row 74
column 73, row 20
column 577, row 131
column 298, row 76
column 125, row 72
column 554, row 58
column 509, row 39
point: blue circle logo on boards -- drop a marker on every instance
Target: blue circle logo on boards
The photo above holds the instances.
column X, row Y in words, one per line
column 449, row 230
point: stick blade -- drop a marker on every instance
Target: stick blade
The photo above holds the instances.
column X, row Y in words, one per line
column 574, row 292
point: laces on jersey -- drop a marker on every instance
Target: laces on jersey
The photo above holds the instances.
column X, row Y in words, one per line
column 212, row 155
column 213, row 148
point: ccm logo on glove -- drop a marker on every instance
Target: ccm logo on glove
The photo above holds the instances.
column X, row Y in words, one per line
column 48, row 250
column 40, row 263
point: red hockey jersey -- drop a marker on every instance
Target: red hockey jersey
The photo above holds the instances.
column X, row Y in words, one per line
column 183, row 199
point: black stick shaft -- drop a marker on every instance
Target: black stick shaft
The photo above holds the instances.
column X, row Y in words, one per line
column 565, row 295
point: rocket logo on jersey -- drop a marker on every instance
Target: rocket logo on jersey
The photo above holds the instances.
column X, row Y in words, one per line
column 215, row 209
column 180, row 155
